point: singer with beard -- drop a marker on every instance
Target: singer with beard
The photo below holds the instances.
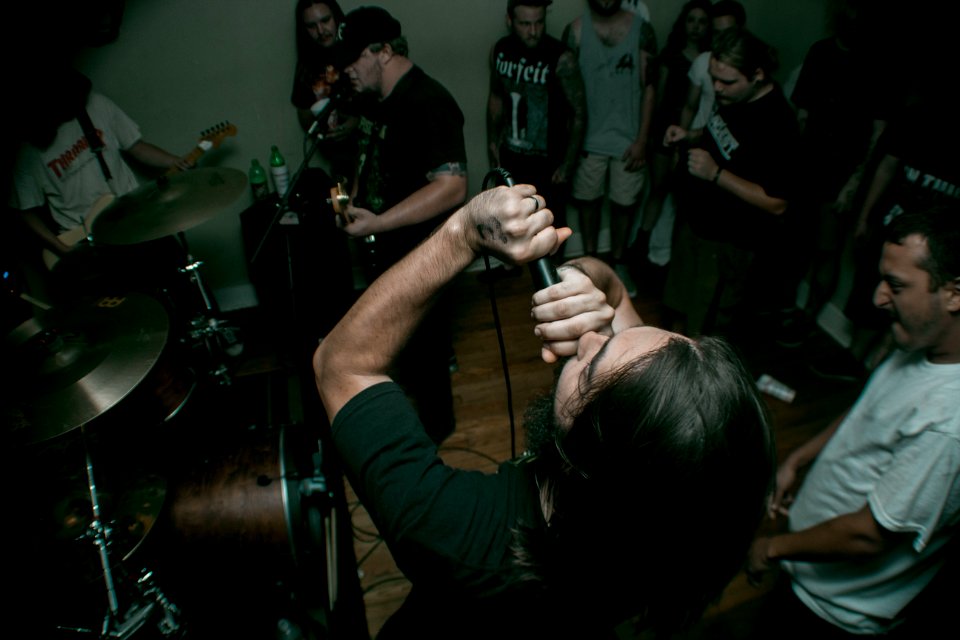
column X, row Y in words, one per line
column 646, row 437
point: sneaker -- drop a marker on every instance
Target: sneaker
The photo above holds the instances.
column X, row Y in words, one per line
column 624, row 274
column 842, row 367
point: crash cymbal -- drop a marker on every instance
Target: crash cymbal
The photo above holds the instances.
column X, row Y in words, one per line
column 65, row 368
column 168, row 206
column 130, row 509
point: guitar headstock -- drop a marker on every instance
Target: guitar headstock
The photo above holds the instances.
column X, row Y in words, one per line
column 212, row 137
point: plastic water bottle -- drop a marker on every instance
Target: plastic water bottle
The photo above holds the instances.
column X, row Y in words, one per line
column 278, row 167
column 258, row 181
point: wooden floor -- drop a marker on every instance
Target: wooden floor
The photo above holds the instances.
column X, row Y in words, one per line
column 483, row 437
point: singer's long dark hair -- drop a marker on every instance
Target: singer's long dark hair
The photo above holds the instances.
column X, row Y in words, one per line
column 657, row 489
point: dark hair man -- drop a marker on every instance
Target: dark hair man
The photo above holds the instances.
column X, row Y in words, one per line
column 412, row 171
column 869, row 528
column 630, row 455
column 737, row 183
column 536, row 110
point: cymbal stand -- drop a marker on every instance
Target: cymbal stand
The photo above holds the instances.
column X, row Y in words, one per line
column 101, row 538
column 115, row 625
column 218, row 336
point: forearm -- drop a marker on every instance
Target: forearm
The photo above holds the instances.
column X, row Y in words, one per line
column 494, row 127
column 152, row 155
column 750, row 192
column 571, row 82
column 861, row 168
column 510, row 223
column 882, row 178
column 646, row 114
column 442, row 194
column 690, row 107
column 358, row 352
column 848, row 537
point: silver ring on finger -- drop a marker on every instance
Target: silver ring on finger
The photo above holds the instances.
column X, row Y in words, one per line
column 536, row 203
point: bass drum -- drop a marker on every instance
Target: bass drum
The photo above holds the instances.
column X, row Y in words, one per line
column 256, row 516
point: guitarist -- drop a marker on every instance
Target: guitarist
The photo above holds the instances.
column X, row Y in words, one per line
column 411, row 174
column 58, row 178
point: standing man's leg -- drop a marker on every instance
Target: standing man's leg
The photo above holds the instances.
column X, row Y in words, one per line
column 587, row 193
column 626, row 188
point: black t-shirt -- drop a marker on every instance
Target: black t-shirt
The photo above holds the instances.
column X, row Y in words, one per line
column 756, row 141
column 416, row 130
column 535, row 110
column 929, row 173
column 838, row 89
column 449, row 530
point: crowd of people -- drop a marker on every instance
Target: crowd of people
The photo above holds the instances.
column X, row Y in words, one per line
column 596, row 119
column 650, row 430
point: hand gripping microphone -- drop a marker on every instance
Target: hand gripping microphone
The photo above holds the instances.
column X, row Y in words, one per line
column 542, row 270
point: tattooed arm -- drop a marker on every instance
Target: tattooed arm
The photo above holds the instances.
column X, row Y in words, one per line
column 568, row 75
column 358, row 352
column 447, row 189
column 636, row 154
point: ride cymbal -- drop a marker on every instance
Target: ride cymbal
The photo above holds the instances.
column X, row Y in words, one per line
column 168, row 205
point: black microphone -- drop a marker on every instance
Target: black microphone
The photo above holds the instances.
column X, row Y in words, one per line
column 320, row 119
column 542, row 270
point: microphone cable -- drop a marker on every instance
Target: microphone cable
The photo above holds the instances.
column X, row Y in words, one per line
column 503, row 175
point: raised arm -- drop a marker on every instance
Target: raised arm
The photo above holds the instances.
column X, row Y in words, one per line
column 360, row 349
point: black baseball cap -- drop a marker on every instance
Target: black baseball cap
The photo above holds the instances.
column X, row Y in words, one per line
column 363, row 27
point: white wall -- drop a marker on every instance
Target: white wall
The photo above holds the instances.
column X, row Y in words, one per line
column 180, row 66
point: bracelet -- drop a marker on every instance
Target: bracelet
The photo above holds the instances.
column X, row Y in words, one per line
column 716, row 176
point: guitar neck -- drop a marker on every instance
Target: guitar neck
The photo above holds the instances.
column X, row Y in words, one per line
column 211, row 139
column 192, row 158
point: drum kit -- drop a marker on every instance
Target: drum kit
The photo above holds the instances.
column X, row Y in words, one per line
column 78, row 375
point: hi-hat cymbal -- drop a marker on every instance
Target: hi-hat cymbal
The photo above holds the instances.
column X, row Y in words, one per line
column 168, row 205
column 67, row 368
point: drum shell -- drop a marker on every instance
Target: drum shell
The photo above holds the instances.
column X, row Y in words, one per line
column 247, row 498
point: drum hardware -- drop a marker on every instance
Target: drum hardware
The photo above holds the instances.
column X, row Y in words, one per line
column 206, row 330
column 217, row 336
column 143, row 609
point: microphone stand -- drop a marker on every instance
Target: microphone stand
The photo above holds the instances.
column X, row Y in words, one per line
column 283, row 204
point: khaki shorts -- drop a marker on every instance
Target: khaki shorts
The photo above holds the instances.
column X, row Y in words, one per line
column 590, row 180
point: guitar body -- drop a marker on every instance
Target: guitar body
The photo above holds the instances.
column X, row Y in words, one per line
column 210, row 139
column 71, row 237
